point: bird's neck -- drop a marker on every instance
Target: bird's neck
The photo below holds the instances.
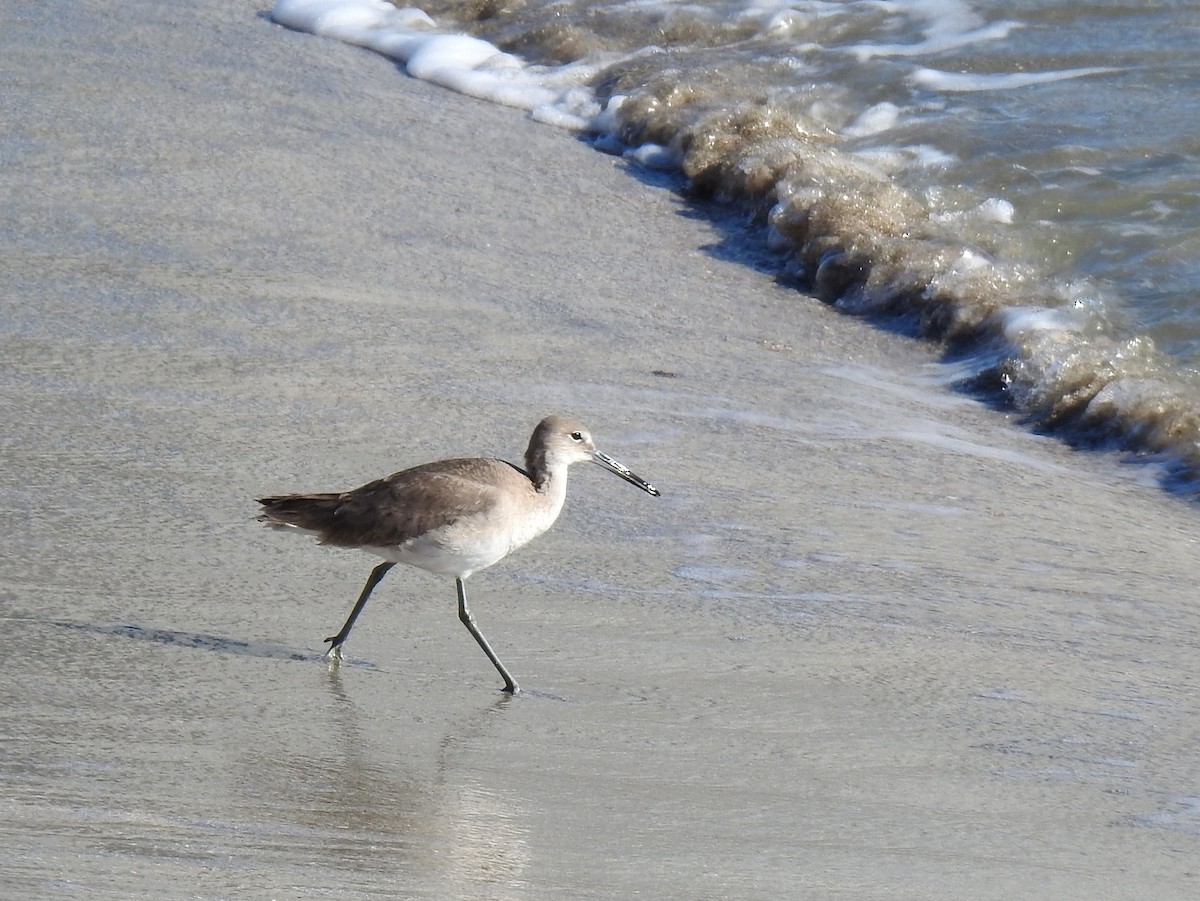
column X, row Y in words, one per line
column 549, row 480
column 544, row 476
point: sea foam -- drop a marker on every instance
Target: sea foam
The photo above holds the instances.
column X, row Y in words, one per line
column 1006, row 81
column 462, row 63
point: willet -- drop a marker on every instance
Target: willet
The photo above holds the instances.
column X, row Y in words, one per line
column 453, row 517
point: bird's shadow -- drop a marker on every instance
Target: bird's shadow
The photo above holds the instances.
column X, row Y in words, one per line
column 200, row 641
column 224, row 645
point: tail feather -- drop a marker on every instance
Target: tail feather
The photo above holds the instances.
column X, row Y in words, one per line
column 310, row 512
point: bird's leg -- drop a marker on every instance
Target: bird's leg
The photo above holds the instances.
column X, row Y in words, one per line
column 335, row 643
column 464, row 614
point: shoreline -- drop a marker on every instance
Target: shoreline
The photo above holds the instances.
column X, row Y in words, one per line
column 874, row 641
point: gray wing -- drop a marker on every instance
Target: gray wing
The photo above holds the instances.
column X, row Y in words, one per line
column 398, row 508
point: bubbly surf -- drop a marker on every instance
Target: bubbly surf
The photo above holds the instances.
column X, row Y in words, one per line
column 1016, row 183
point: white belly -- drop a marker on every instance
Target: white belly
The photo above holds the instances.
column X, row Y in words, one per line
column 475, row 542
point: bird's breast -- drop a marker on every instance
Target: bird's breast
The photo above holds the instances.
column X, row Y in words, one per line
column 534, row 519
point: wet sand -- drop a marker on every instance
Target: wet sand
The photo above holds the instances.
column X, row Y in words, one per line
column 874, row 641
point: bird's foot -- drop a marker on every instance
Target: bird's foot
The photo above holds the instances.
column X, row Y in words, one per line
column 334, row 652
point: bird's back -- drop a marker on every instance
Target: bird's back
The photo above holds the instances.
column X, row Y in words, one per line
column 404, row 506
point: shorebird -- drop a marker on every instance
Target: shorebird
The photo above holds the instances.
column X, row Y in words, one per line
column 452, row 517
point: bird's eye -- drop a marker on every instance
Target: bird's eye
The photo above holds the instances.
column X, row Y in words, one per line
column 577, row 436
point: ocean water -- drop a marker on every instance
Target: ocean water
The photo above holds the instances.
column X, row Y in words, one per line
column 1016, row 181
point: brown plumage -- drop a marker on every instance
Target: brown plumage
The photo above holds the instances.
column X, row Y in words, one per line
column 402, row 506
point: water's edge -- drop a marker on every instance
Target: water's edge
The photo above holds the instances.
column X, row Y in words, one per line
column 1032, row 342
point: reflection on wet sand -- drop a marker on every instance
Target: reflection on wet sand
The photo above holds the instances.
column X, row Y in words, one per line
column 406, row 820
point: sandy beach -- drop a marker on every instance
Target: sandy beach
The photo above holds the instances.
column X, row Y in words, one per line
column 875, row 641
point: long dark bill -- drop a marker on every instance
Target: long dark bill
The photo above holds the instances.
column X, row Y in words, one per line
column 624, row 472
